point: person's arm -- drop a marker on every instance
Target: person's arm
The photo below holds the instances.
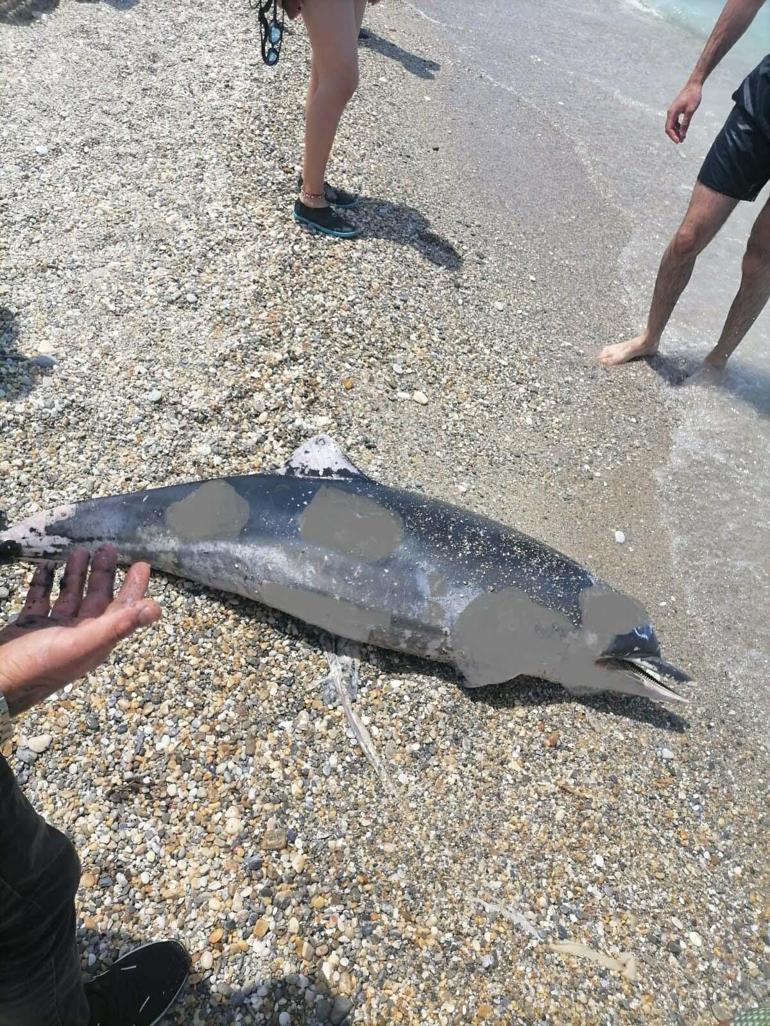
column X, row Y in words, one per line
column 50, row 646
column 735, row 18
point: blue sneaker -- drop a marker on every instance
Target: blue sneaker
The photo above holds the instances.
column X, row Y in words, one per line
column 335, row 197
column 325, row 220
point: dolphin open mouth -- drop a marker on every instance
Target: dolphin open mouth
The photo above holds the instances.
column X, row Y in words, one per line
column 654, row 674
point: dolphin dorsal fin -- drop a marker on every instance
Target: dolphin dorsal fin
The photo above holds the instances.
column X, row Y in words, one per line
column 320, row 456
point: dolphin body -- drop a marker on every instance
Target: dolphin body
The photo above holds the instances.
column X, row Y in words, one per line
column 323, row 542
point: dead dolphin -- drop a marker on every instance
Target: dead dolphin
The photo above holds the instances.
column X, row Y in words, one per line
column 323, row 542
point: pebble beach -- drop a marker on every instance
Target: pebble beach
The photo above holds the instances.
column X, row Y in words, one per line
column 523, row 857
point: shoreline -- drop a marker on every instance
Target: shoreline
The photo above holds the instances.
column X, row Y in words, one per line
column 165, row 257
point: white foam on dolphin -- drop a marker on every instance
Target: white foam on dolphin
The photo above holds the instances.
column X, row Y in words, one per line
column 32, row 534
column 320, row 456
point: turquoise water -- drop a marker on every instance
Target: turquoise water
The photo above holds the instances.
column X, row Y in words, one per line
column 699, row 16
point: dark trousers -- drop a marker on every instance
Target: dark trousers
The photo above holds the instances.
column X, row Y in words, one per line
column 40, row 980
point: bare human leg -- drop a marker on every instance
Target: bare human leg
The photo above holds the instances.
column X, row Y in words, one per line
column 707, row 212
column 752, row 295
column 333, row 30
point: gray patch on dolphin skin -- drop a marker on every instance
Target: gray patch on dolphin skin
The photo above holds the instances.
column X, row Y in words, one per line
column 504, row 634
column 608, row 613
column 215, row 510
column 334, row 615
column 437, row 584
column 351, row 524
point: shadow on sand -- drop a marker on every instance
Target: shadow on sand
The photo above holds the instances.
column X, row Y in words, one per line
column 199, row 1005
column 750, row 386
column 27, row 12
column 520, row 692
column 18, row 373
column 419, row 66
column 406, row 226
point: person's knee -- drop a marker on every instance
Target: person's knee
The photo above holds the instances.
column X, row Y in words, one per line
column 343, row 83
column 756, row 259
column 689, row 240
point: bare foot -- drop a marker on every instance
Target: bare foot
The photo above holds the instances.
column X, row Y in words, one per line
column 622, row 352
column 705, row 375
column 715, row 361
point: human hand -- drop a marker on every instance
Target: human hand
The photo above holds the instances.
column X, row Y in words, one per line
column 49, row 647
column 681, row 111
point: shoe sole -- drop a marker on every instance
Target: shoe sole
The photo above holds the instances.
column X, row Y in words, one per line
column 326, row 231
column 179, row 989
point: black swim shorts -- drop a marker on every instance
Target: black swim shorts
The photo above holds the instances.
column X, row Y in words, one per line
column 738, row 163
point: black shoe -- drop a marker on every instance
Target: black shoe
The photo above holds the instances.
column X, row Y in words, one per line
column 335, row 197
column 139, row 988
column 325, row 220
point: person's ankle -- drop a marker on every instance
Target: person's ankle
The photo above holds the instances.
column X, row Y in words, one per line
column 716, row 360
column 650, row 342
column 316, row 200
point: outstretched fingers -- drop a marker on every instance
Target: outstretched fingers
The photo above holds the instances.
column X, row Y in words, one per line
column 134, row 585
column 101, row 583
column 38, row 601
column 67, row 605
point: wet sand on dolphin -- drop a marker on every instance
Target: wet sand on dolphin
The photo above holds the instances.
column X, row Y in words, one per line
column 163, row 321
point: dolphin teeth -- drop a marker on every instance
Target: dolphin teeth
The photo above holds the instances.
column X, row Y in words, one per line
column 650, row 680
column 658, row 669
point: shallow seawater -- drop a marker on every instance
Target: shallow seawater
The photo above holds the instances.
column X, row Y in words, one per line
column 716, row 489
column 574, row 95
column 699, row 16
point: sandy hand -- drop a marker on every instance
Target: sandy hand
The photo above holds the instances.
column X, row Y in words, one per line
column 50, row 646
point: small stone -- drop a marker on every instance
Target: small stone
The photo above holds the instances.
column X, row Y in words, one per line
column 216, row 935
column 274, row 840
column 44, row 362
column 41, row 151
column 340, row 1009
column 154, row 396
column 500, row 307
column 485, row 1011
column 347, row 384
column 420, row 398
column 26, row 756
column 299, row 861
column 4, row 593
column 666, row 754
column 620, row 537
column 674, row 946
column 260, row 928
column 695, row 939
column 294, row 925
column 206, row 960
column 40, row 743
column 284, row 1019
column 599, row 861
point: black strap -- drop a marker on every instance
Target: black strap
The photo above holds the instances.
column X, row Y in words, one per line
column 270, row 31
